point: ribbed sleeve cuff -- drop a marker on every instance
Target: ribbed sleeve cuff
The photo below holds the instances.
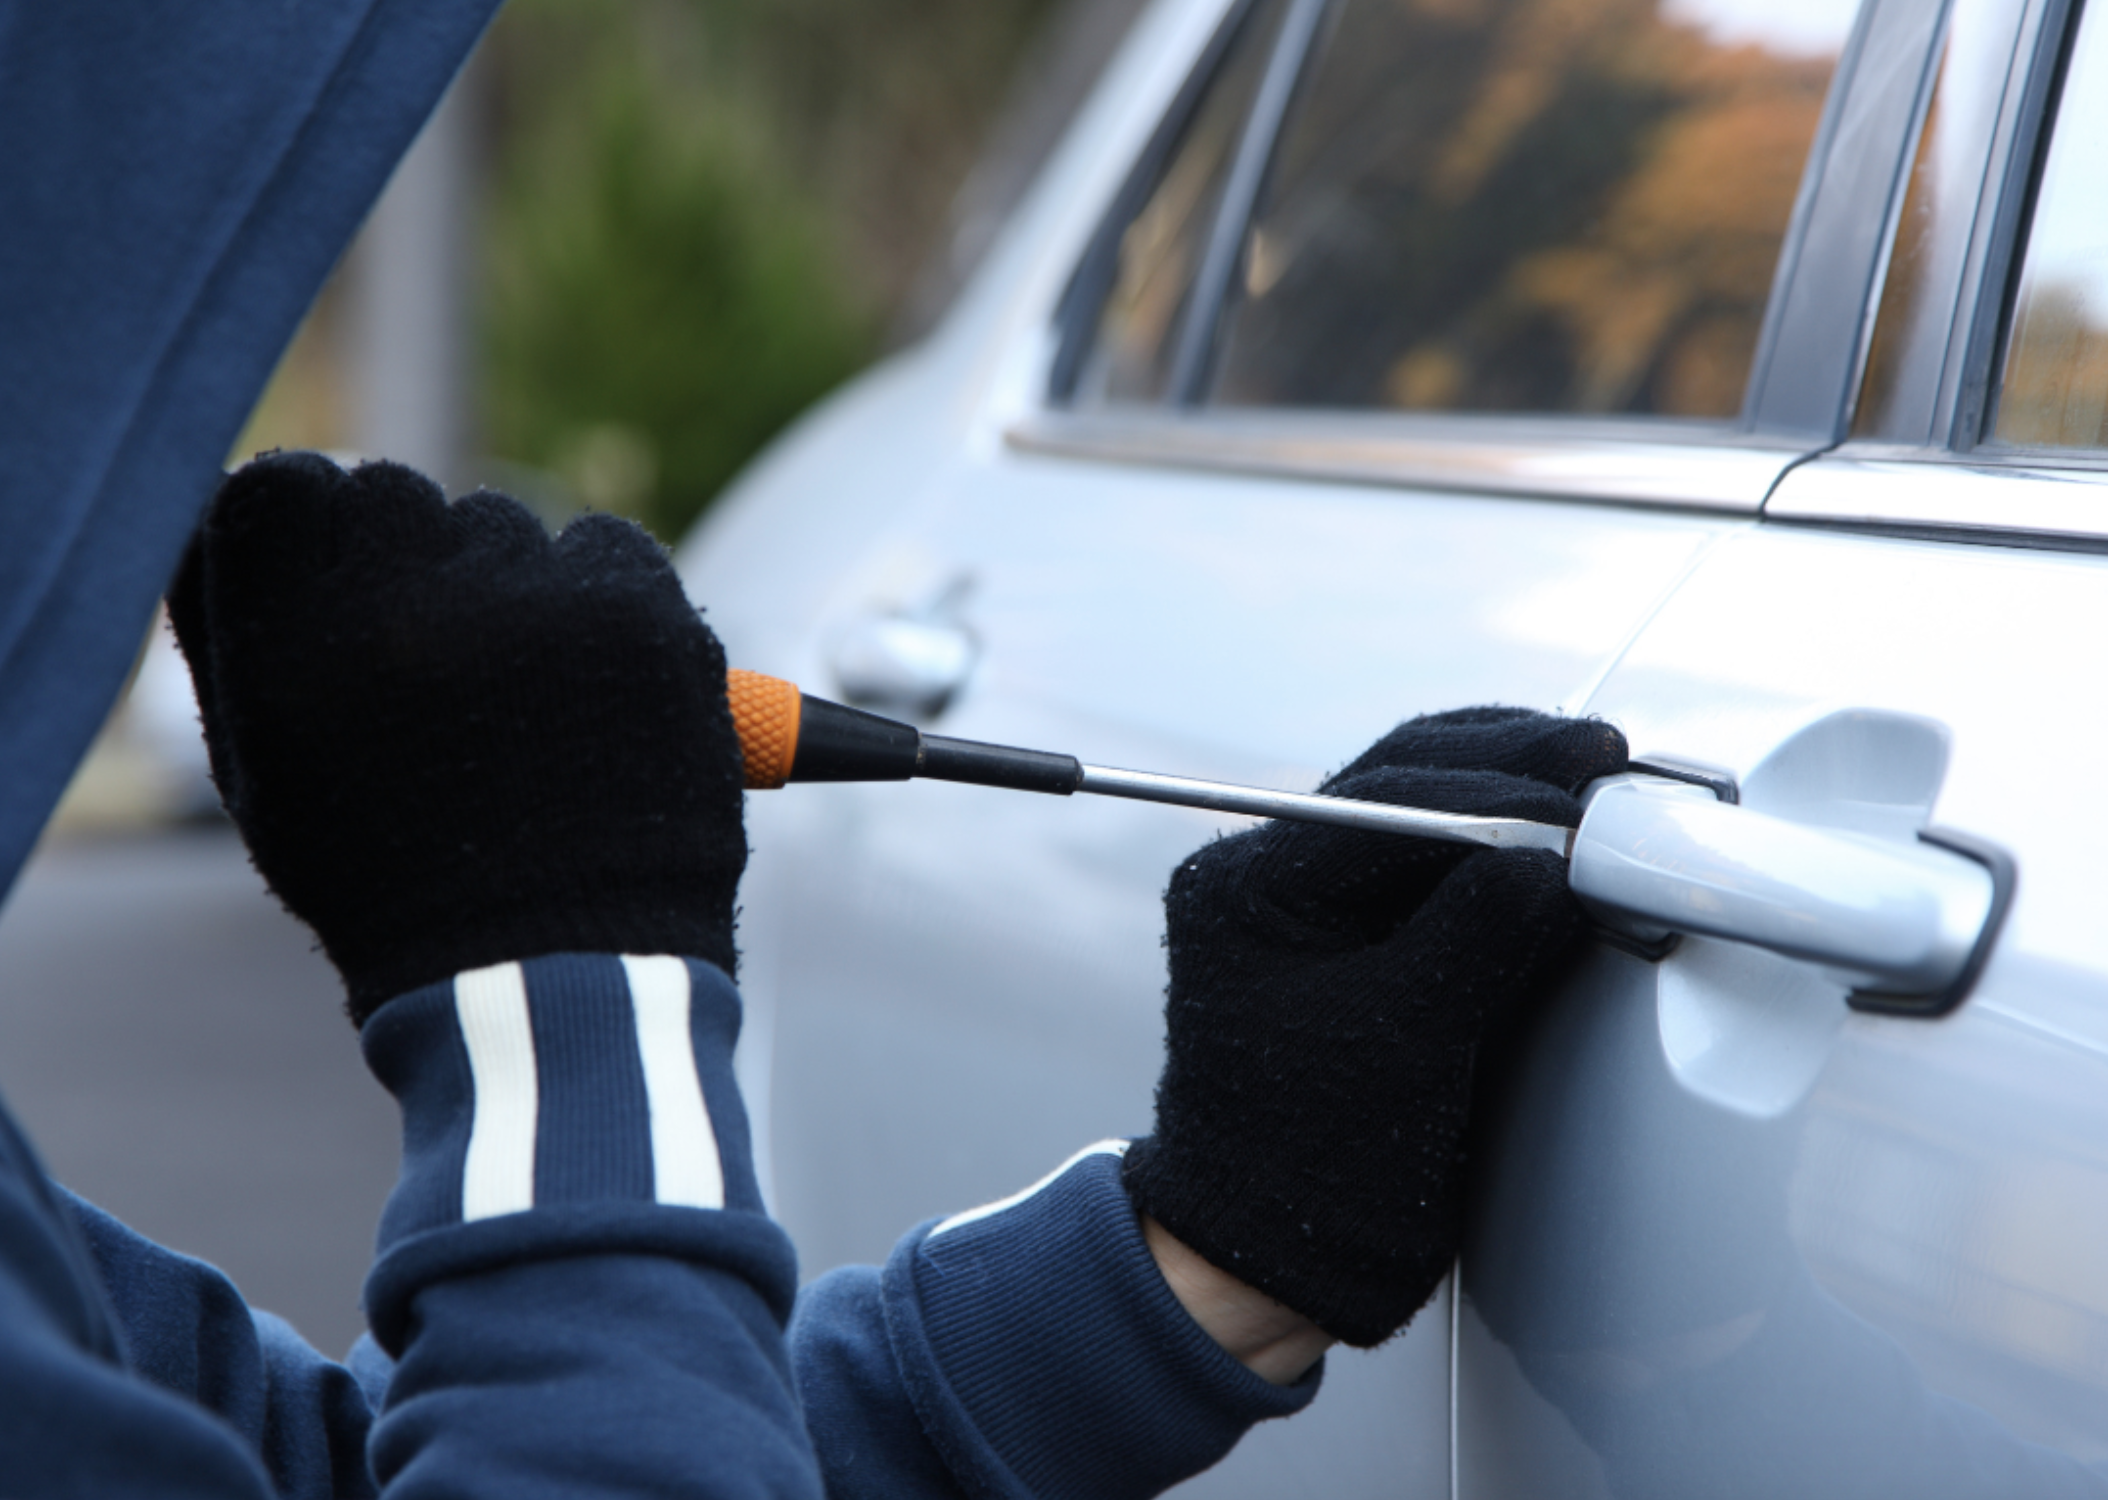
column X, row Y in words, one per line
column 565, row 1105
column 1047, row 1357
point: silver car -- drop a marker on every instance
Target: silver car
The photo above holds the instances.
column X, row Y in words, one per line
column 1736, row 371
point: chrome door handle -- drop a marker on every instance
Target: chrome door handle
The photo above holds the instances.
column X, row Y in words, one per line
column 902, row 664
column 1907, row 926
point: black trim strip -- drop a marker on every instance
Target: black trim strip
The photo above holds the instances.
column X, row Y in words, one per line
column 1952, row 536
column 1723, row 786
column 2005, row 876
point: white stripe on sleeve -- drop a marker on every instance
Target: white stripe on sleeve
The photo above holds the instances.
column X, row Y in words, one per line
column 498, row 1176
column 986, row 1210
column 685, row 1165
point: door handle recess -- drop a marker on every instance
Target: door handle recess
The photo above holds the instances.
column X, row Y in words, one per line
column 1906, row 926
column 906, row 665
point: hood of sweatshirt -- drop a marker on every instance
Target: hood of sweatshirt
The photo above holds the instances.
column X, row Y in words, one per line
column 177, row 182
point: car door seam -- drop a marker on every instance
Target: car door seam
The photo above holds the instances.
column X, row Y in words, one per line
column 1578, row 703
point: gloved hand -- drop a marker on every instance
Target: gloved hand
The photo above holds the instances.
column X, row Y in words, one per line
column 451, row 741
column 1329, row 991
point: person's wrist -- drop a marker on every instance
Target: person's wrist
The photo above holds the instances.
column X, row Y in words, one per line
column 1273, row 1341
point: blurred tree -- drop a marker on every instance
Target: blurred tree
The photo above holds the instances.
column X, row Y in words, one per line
column 707, row 212
column 660, row 303
column 1529, row 206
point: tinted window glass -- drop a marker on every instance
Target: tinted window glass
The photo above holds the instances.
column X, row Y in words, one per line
column 1910, row 338
column 1907, row 363
column 1531, row 205
column 2053, row 389
column 1160, row 249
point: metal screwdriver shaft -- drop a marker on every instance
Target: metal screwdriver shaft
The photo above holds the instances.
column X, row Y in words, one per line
column 1344, row 812
column 788, row 736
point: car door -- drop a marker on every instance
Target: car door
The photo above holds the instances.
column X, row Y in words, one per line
column 1313, row 417
column 1737, row 1234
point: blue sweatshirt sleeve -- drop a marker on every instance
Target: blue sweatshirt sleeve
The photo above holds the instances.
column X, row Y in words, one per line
column 186, row 1330
column 1030, row 1348
column 74, row 1419
column 576, row 1279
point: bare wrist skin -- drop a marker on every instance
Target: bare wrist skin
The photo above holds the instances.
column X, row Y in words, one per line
column 1275, row 1343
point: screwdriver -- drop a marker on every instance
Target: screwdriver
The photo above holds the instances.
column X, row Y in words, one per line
column 1660, row 853
column 790, row 736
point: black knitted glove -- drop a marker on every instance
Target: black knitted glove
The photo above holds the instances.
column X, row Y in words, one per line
column 451, row 741
column 1329, row 989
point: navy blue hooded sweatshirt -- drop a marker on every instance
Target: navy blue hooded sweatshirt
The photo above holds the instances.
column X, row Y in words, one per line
column 577, row 1292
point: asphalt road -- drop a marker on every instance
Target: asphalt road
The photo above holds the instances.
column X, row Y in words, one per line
column 179, row 1052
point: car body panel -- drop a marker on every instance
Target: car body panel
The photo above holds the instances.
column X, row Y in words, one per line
column 1936, row 1186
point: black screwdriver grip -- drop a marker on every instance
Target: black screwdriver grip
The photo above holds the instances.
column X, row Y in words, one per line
column 839, row 743
column 946, row 759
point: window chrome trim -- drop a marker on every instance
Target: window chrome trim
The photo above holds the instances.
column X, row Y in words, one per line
column 1708, row 470
column 1969, row 501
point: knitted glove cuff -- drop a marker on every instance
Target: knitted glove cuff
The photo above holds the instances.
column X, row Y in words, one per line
column 603, row 922
column 1265, row 1239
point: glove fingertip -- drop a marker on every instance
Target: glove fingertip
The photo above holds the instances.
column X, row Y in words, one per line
column 269, row 501
column 1504, row 902
column 599, row 537
column 389, row 510
column 489, row 520
column 1607, row 752
column 1480, row 713
column 190, row 622
column 1564, row 752
column 618, row 548
column 1578, row 752
column 186, row 605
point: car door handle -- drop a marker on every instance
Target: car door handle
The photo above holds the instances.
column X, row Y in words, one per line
column 902, row 664
column 1906, row 926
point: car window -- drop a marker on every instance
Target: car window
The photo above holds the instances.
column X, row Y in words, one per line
column 1906, row 356
column 2053, row 379
column 1557, row 206
column 1131, row 353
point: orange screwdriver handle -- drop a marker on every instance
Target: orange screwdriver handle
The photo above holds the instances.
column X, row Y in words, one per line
column 765, row 712
column 787, row 736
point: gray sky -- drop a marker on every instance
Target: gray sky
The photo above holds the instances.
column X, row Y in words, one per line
column 1803, row 27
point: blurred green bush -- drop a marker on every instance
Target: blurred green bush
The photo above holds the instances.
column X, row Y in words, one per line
column 660, row 305
column 707, row 213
